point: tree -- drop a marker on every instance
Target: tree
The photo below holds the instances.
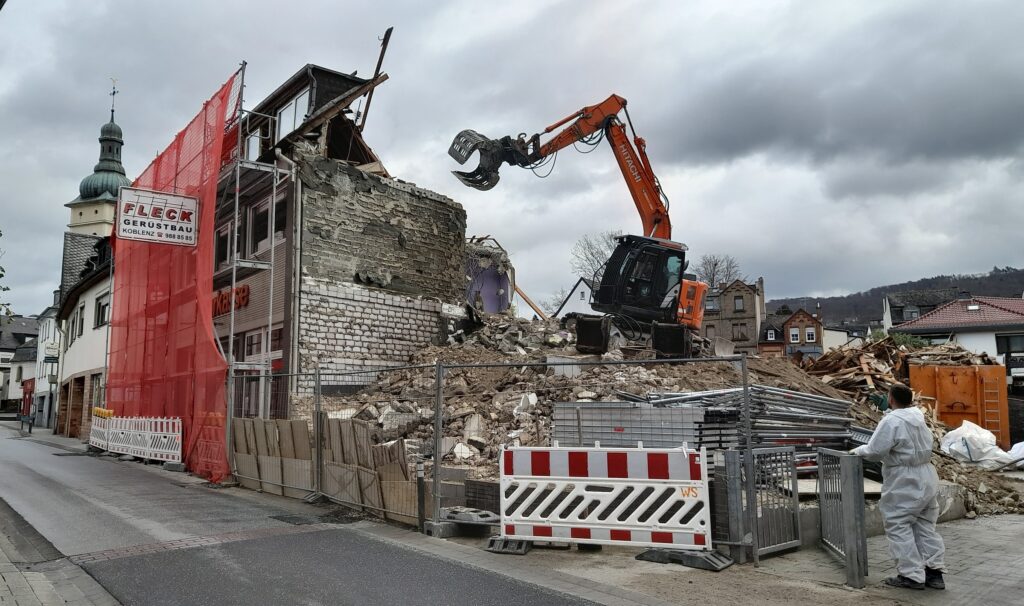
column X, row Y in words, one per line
column 551, row 304
column 718, row 269
column 591, row 252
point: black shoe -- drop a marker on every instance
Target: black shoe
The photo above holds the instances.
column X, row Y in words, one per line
column 903, row 582
column 933, row 578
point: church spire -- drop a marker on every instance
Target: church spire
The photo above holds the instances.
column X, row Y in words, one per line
column 113, row 93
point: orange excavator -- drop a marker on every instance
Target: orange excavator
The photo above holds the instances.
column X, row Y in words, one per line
column 643, row 284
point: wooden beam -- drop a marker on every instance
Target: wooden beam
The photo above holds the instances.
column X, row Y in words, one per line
column 533, row 306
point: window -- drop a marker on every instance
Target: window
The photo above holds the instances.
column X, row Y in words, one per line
column 737, row 302
column 259, row 228
column 1009, row 344
column 794, row 334
column 771, row 335
column 280, row 219
column 254, row 343
column 102, row 312
column 275, row 339
column 583, row 296
column 739, row 331
column 222, row 250
column 811, row 337
column 252, row 145
column 81, row 319
column 17, row 374
column 711, row 303
column 97, row 389
column 292, row 115
column 912, row 314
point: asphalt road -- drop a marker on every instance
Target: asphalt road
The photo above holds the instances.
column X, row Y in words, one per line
column 84, row 505
column 327, row 567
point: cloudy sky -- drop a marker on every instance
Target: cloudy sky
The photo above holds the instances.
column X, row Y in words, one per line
column 829, row 146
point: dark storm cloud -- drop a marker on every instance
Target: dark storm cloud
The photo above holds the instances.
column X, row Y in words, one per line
column 925, row 80
column 797, row 136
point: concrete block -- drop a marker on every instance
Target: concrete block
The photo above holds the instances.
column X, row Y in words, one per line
column 170, row 466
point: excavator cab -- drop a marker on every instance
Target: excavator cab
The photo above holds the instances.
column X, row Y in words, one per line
column 644, row 282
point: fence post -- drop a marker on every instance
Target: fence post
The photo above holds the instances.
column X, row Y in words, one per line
column 734, row 491
column 438, row 436
column 318, row 432
column 421, row 497
column 748, row 457
column 851, row 478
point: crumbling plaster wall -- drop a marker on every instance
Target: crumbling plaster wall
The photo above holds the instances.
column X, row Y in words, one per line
column 362, row 228
column 379, row 257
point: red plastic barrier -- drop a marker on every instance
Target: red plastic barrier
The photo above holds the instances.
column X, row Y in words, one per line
column 164, row 360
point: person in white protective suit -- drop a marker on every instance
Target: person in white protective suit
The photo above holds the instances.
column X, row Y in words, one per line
column 909, row 507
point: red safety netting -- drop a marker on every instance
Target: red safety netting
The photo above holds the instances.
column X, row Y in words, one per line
column 164, row 360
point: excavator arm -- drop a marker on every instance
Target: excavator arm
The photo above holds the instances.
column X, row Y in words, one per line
column 589, row 121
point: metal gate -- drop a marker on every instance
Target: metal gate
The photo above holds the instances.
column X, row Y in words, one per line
column 776, row 502
column 841, row 500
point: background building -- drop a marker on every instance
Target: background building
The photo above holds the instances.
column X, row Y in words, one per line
column 15, row 331
column 735, row 312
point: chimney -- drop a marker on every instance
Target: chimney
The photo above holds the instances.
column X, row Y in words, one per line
column 56, row 297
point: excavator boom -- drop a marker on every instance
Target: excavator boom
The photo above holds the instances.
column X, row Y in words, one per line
column 644, row 280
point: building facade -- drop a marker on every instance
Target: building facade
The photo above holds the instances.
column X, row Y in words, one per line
column 578, row 299
column 47, row 361
column 15, row 331
column 735, row 312
column 336, row 264
column 85, row 317
column 772, row 343
column 804, row 335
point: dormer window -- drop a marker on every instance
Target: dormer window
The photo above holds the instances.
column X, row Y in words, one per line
column 293, row 114
column 974, row 307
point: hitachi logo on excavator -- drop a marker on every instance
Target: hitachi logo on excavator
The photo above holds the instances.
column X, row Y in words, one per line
column 633, row 170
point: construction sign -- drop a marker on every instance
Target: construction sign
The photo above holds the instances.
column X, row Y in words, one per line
column 150, row 216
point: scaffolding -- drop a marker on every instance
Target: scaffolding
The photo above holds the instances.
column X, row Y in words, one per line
column 245, row 180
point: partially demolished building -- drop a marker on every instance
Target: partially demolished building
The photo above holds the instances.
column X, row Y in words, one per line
column 327, row 261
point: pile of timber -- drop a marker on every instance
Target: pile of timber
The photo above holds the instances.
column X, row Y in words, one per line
column 859, row 372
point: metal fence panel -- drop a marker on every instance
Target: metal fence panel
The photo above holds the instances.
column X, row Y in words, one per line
column 841, row 503
column 777, row 502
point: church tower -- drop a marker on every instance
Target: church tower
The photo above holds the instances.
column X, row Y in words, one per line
column 92, row 212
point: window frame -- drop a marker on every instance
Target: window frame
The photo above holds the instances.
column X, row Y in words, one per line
column 771, row 334
column 289, row 115
column 256, row 137
column 101, row 311
column 794, row 331
column 255, row 247
column 81, row 319
column 226, row 231
column 742, row 303
column 810, row 334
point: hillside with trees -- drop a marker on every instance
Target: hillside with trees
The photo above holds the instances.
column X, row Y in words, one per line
column 862, row 307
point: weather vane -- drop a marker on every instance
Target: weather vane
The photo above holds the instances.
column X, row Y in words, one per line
column 113, row 93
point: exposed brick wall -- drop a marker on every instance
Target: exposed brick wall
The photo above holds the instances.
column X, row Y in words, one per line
column 358, row 227
column 351, row 327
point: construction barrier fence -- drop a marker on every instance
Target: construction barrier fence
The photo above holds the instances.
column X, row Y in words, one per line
column 151, row 439
column 645, row 497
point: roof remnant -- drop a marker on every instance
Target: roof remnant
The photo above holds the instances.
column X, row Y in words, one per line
column 918, row 298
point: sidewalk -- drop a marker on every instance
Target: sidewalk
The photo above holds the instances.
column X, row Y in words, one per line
column 33, row 573
column 984, row 560
column 43, row 435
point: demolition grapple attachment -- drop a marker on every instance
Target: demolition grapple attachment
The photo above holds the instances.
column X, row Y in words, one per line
column 491, row 156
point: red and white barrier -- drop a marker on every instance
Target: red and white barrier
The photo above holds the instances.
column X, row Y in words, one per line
column 144, row 437
column 611, row 496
